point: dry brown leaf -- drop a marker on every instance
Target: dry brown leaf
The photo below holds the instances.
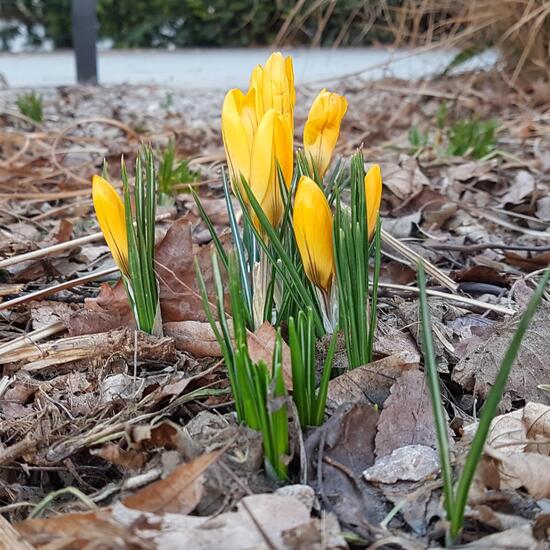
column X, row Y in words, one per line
column 179, row 296
column 476, row 371
column 126, row 459
column 404, row 178
column 259, row 522
column 344, row 445
column 524, row 430
column 523, row 186
column 75, row 530
column 260, row 348
column 513, row 471
column 407, row 417
column 519, row 538
column 179, row 492
column 164, row 435
column 194, row 337
column 369, row 383
column 528, row 263
column 480, row 274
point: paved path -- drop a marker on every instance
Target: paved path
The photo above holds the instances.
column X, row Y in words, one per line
column 223, row 68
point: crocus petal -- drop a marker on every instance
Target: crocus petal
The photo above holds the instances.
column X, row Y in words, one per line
column 312, row 221
column 109, row 210
column 272, row 145
column 278, row 87
column 284, row 149
column 255, row 85
column 322, row 129
column 373, row 195
column 263, row 168
column 236, row 134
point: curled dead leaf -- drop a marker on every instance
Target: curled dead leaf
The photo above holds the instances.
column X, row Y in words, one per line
column 179, row 492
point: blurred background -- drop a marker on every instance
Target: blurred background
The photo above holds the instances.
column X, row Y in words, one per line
column 140, row 41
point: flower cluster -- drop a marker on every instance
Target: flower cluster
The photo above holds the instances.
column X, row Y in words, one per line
column 258, row 131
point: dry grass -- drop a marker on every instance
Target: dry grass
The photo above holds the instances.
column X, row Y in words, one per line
column 519, row 28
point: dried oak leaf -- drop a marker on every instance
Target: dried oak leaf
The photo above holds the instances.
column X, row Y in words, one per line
column 179, row 295
column 407, row 417
column 194, row 337
column 476, row 371
column 338, row 452
column 524, row 430
column 179, row 492
column 77, row 530
column 260, row 348
column 404, row 178
column 258, row 518
column 369, row 383
column 127, row 459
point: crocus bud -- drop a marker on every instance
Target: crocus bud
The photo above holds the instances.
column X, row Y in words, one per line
column 272, row 146
column 312, row 221
column 111, row 217
column 277, row 88
column 322, row 129
column 238, row 127
column 373, row 195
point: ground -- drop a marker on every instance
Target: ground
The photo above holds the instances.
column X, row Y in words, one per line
column 141, row 428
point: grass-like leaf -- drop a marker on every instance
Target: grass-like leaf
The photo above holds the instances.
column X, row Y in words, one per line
column 140, row 226
column 260, row 396
column 455, row 501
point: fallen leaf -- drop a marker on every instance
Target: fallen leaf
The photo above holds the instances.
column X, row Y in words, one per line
column 317, row 534
column 401, row 227
column 258, row 518
column 528, row 470
column 179, row 492
column 404, row 178
column 260, row 348
column 370, row 383
column 407, row 417
column 397, row 273
column 438, row 212
column 14, row 401
column 523, row 186
column 480, row 274
column 127, row 459
column 529, row 263
column 194, row 337
column 476, row 371
column 216, row 209
column 524, row 430
column 178, row 292
column 519, row 538
column 392, row 341
column 338, row 452
column 164, row 435
column 75, row 530
column 543, row 208
column 478, row 170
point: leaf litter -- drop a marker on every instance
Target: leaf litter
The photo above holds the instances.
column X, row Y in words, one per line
column 142, row 427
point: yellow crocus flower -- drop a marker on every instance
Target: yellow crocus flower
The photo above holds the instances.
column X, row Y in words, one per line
column 274, row 87
column 257, row 131
column 272, row 144
column 312, row 220
column 111, row 217
column 322, row 129
column 238, row 128
column 373, row 195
